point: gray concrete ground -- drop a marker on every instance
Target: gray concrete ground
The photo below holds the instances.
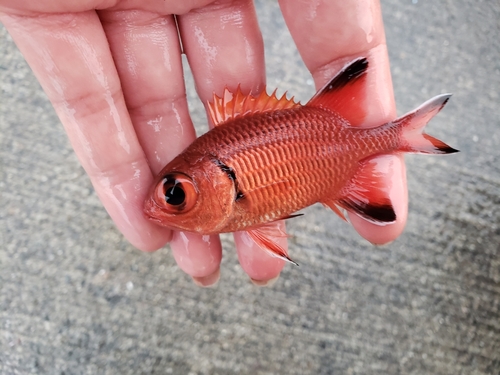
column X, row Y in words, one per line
column 75, row 298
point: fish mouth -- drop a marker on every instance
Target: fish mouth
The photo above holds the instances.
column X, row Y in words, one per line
column 158, row 221
column 152, row 211
column 150, row 208
column 151, row 217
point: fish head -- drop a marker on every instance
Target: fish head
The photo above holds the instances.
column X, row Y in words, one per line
column 191, row 194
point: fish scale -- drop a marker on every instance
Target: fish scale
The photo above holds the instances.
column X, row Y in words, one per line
column 265, row 147
column 266, row 158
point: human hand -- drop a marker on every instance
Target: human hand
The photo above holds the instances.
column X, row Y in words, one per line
column 114, row 77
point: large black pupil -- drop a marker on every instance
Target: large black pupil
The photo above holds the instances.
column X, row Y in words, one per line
column 174, row 194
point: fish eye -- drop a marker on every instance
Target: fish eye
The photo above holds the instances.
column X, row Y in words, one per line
column 176, row 193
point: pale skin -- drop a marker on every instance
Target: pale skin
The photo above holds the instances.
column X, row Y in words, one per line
column 112, row 70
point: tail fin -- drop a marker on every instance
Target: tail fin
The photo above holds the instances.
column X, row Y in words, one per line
column 413, row 137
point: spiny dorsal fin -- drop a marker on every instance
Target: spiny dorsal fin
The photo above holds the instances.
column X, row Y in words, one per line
column 230, row 106
column 344, row 94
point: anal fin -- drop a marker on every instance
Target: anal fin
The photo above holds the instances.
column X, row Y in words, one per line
column 367, row 194
column 333, row 205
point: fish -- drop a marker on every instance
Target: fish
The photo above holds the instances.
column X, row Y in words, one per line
column 267, row 158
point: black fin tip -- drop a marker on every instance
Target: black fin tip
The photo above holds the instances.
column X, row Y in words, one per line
column 354, row 70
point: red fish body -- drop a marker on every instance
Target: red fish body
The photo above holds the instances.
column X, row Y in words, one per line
column 267, row 158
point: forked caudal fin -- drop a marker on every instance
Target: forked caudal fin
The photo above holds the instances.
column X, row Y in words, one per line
column 367, row 193
column 412, row 124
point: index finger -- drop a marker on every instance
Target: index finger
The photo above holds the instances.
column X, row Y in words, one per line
column 328, row 35
column 70, row 56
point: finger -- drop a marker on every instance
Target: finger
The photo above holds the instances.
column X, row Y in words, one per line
column 147, row 54
column 258, row 264
column 224, row 48
column 337, row 32
column 262, row 268
column 198, row 256
column 70, row 56
column 331, row 33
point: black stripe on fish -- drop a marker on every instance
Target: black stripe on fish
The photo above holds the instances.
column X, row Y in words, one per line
column 232, row 176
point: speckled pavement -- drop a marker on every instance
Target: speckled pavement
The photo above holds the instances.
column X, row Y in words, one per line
column 76, row 298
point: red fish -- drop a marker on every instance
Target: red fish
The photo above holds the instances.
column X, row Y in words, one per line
column 267, row 158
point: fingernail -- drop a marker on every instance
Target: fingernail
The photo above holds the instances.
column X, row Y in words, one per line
column 267, row 283
column 208, row 281
column 381, row 244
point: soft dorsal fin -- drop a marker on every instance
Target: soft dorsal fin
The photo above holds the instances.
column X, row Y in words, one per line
column 367, row 194
column 345, row 93
column 229, row 105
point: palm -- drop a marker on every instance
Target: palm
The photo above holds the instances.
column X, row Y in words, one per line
column 114, row 76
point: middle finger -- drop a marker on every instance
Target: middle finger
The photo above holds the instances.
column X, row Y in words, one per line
column 147, row 54
column 224, row 47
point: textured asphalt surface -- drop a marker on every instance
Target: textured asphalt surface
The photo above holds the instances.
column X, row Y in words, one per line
column 76, row 298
